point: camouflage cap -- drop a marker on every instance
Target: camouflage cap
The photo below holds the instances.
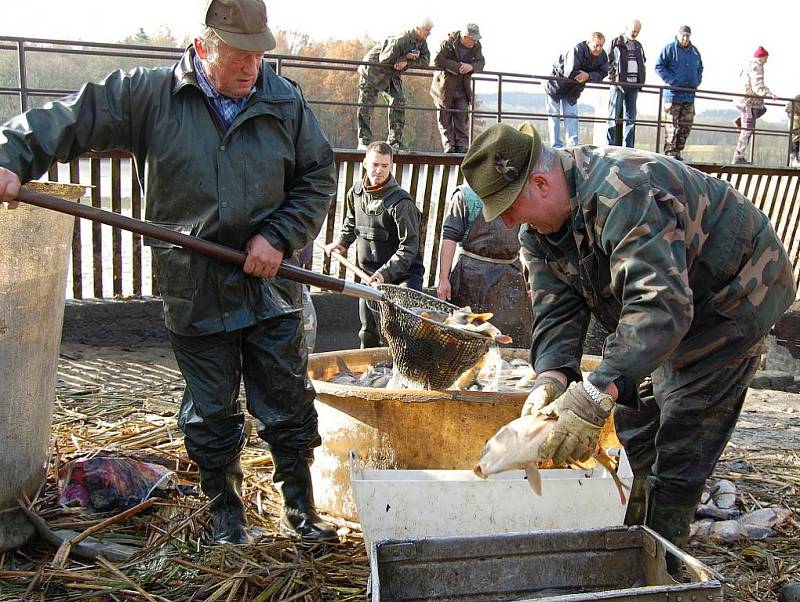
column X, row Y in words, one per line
column 241, row 24
column 471, row 30
column 497, row 163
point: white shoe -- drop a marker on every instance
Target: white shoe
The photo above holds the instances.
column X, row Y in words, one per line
column 361, row 146
column 794, row 162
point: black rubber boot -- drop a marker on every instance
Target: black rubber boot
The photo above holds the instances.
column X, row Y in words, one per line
column 671, row 521
column 224, row 487
column 637, row 501
column 292, row 478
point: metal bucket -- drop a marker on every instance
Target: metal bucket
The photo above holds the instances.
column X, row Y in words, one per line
column 35, row 247
column 406, row 429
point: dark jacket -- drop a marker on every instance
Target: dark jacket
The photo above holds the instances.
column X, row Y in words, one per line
column 270, row 173
column 680, row 67
column 447, row 80
column 567, row 66
column 618, row 60
column 384, row 224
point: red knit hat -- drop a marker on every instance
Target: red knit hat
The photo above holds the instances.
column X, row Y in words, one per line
column 760, row 53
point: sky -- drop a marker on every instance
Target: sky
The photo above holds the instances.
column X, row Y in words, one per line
column 521, row 37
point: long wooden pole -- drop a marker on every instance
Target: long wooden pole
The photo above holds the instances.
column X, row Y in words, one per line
column 206, row 247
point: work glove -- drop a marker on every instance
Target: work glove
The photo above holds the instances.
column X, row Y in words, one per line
column 546, row 389
column 577, row 432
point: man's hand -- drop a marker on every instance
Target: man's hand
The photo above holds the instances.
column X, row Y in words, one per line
column 546, row 389
column 577, row 432
column 9, row 188
column 444, row 291
column 400, row 65
column 581, row 76
column 335, row 247
column 263, row 260
column 464, row 68
column 377, row 278
column 413, row 55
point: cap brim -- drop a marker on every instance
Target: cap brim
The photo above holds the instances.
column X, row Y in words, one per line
column 250, row 42
column 509, row 194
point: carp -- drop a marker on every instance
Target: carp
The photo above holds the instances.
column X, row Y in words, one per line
column 516, row 447
column 465, row 319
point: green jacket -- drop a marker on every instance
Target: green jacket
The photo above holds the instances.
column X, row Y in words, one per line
column 446, row 80
column 387, row 53
column 271, row 173
column 678, row 265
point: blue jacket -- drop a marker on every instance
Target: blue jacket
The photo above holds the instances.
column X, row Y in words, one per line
column 680, row 67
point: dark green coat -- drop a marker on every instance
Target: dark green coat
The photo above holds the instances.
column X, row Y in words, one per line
column 677, row 264
column 447, row 79
column 270, row 173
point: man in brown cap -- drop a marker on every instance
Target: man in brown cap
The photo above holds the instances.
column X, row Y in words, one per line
column 685, row 272
column 458, row 57
column 230, row 152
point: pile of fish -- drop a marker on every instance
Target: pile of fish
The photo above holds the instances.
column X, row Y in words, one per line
column 516, row 447
column 491, row 373
column 377, row 376
column 722, row 521
column 464, row 319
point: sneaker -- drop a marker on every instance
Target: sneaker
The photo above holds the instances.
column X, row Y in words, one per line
column 451, row 150
column 794, row 162
column 396, row 146
column 362, row 146
column 741, row 161
column 461, row 149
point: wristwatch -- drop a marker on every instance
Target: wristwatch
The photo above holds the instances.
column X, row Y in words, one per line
column 601, row 399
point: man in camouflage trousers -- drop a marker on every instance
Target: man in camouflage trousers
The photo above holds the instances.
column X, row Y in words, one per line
column 681, row 67
column 686, row 273
column 389, row 60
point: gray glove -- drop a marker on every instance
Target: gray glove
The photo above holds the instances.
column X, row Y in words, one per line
column 546, row 389
column 577, row 432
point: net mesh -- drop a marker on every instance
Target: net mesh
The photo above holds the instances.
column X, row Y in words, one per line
column 424, row 351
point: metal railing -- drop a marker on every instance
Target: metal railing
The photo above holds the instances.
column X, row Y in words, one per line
column 498, row 83
column 108, row 263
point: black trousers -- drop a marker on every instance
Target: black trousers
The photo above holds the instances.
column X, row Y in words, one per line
column 369, row 334
column 271, row 358
column 682, row 423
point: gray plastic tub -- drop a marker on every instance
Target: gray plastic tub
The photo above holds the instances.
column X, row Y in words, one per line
column 616, row 563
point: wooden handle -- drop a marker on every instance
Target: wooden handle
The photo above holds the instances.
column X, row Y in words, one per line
column 206, row 247
column 345, row 262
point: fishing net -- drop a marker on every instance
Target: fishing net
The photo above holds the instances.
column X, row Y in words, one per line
column 424, row 351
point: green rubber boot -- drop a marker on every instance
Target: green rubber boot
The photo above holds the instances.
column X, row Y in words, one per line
column 671, row 521
column 637, row 500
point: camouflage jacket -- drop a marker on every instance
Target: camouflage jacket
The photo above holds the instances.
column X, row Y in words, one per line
column 678, row 265
column 387, row 53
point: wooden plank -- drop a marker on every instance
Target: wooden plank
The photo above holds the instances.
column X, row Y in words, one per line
column 97, row 233
column 77, row 250
column 440, row 206
column 116, row 234
column 423, row 224
column 433, row 266
column 349, row 177
column 137, row 267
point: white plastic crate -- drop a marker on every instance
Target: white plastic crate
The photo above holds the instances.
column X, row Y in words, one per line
column 403, row 504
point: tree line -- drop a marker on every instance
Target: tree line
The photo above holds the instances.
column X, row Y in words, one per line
column 67, row 72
